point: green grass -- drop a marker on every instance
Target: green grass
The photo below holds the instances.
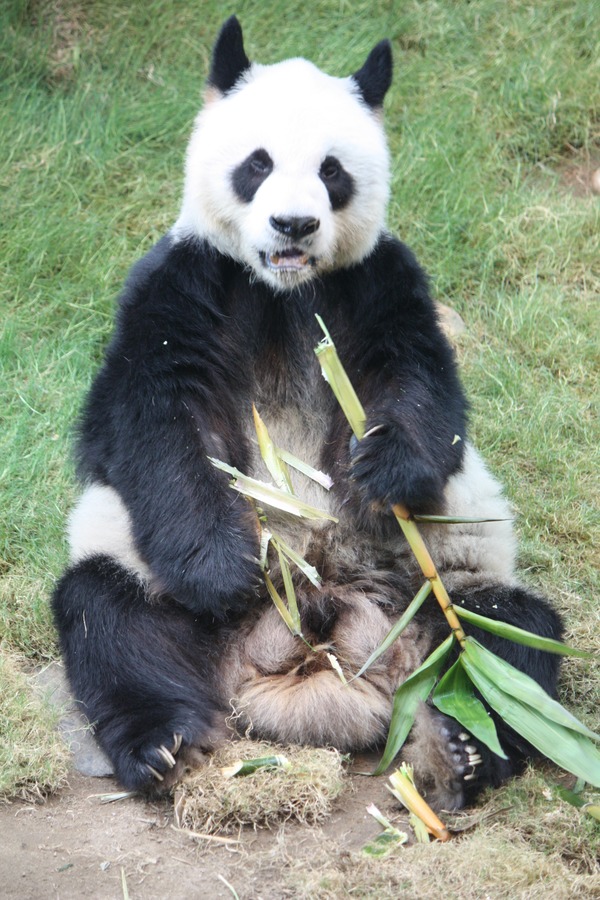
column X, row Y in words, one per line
column 492, row 102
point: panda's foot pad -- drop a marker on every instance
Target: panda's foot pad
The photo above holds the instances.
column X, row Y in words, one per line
column 464, row 754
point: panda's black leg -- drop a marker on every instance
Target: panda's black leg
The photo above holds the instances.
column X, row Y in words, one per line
column 142, row 671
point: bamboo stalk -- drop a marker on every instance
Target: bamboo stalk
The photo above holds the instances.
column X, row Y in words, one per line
column 353, row 409
column 423, row 557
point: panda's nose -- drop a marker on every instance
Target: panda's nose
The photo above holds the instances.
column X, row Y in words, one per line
column 295, row 226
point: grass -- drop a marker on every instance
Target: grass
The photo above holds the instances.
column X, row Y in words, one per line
column 493, row 105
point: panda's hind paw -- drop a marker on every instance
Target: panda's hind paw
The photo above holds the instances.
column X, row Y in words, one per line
column 465, row 755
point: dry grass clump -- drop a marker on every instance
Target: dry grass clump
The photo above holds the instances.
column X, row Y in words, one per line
column 210, row 802
column 33, row 758
column 492, row 863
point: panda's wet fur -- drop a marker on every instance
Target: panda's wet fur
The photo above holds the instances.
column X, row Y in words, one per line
column 166, row 628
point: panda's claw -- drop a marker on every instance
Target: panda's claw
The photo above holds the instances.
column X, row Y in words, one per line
column 153, row 772
column 177, row 739
column 167, row 756
column 463, row 736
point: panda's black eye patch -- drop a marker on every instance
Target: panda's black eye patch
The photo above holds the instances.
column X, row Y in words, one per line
column 250, row 174
column 339, row 182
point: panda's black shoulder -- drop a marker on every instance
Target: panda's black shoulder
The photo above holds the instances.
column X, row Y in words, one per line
column 388, row 294
column 186, row 274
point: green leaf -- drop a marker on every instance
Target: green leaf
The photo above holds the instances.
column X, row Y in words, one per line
column 567, row 748
column 518, row 635
column 411, row 692
column 454, row 520
column 397, row 628
column 518, row 685
column 454, row 696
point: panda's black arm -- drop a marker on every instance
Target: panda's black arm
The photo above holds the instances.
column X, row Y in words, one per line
column 168, row 396
column 405, row 374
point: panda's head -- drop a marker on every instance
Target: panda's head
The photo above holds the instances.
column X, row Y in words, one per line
column 287, row 167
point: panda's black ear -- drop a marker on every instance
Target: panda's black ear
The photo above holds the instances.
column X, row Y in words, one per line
column 229, row 60
column 375, row 77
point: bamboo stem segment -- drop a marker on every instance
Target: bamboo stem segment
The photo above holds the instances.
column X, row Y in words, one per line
column 347, row 397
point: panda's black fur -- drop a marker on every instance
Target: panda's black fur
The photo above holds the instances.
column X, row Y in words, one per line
column 164, row 622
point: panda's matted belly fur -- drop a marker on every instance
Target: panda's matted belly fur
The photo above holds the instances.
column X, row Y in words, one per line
column 169, row 636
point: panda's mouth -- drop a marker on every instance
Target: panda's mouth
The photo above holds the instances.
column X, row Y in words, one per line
column 291, row 259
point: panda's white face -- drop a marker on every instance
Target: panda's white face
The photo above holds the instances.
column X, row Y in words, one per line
column 288, row 173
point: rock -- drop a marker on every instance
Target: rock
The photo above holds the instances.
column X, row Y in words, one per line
column 73, row 726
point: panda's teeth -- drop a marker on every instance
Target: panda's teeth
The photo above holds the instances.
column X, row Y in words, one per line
column 288, row 260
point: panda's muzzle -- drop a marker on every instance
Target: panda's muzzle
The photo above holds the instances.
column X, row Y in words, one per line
column 294, row 228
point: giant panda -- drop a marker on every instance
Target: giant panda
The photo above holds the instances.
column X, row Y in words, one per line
column 165, row 625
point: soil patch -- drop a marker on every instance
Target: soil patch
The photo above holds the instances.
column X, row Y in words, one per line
column 75, row 846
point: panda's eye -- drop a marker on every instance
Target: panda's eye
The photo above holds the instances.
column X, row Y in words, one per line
column 248, row 176
column 339, row 182
column 330, row 168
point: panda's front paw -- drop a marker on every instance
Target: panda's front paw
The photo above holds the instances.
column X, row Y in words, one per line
column 154, row 766
column 220, row 575
column 386, row 470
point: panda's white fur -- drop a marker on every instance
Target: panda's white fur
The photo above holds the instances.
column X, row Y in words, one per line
column 220, row 314
column 299, row 115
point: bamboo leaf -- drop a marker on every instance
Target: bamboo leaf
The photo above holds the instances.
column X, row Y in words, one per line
column 270, row 495
column 411, row 692
column 397, row 628
column 518, row 685
column 308, row 570
column 320, row 477
column 454, row 520
column 277, row 468
column 281, row 607
column 518, row 635
column 567, row 748
column 290, row 593
column 454, row 696
column 265, row 537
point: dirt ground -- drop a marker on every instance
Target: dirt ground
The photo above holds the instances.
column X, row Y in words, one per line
column 74, row 846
